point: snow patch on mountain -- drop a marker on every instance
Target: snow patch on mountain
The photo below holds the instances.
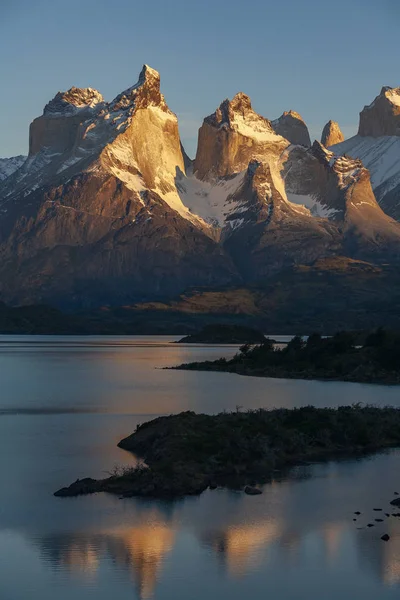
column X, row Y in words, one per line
column 256, row 129
column 393, row 94
column 73, row 101
column 209, row 199
column 313, row 206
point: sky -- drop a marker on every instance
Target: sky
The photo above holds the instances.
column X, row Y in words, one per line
column 325, row 60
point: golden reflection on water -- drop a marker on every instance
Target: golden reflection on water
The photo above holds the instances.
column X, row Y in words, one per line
column 239, row 546
column 140, row 550
column 391, row 561
column 332, row 535
column 82, row 558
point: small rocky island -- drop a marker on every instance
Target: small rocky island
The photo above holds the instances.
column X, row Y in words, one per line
column 347, row 356
column 187, row 453
column 224, row 334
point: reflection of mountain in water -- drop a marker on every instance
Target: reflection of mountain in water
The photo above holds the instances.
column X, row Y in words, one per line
column 139, row 550
column 142, row 551
column 239, row 546
column 299, row 523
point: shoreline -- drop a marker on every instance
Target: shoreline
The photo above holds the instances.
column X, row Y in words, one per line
column 187, row 453
column 206, row 367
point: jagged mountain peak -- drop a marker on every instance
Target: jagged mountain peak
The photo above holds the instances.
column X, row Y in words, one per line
column 293, row 114
column 235, row 114
column 232, row 136
column 144, row 93
column 332, row 134
column 382, row 116
column 240, row 103
column 388, row 92
column 292, row 126
column 73, row 100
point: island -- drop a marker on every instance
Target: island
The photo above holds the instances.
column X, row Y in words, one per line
column 187, row 453
column 224, row 334
column 361, row 357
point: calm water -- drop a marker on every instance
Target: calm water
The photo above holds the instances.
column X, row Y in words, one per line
column 64, row 405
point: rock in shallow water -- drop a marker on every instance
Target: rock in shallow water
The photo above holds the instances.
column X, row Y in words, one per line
column 252, row 491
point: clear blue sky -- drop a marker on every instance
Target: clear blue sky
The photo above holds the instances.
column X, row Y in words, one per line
column 325, row 59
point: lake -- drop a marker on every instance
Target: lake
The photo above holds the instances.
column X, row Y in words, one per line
column 65, row 403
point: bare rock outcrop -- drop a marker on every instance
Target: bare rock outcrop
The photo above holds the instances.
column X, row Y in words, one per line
column 382, row 117
column 291, row 126
column 332, row 134
column 339, row 189
column 233, row 136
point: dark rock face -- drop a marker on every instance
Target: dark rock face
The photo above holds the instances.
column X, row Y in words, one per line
column 382, row 117
column 291, row 126
column 93, row 238
column 274, row 233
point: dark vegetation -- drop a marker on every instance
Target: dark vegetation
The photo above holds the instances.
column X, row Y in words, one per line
column 347, row 356
column 331, row 295
column 224, row 334
column 186, row 453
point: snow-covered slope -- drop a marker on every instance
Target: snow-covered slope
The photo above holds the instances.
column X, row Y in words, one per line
column 9, row 165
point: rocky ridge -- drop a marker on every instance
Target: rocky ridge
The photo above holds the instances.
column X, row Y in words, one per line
column 108, row 208
column 377, row 144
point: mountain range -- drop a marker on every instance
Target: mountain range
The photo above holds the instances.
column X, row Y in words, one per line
column 108, row 210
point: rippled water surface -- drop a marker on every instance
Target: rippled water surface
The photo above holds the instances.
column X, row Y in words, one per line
column 66, row 402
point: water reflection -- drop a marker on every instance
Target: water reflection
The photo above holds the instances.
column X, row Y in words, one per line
column 139, row 551
column 298, row 535
column 239, row 547
column 299, row 523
